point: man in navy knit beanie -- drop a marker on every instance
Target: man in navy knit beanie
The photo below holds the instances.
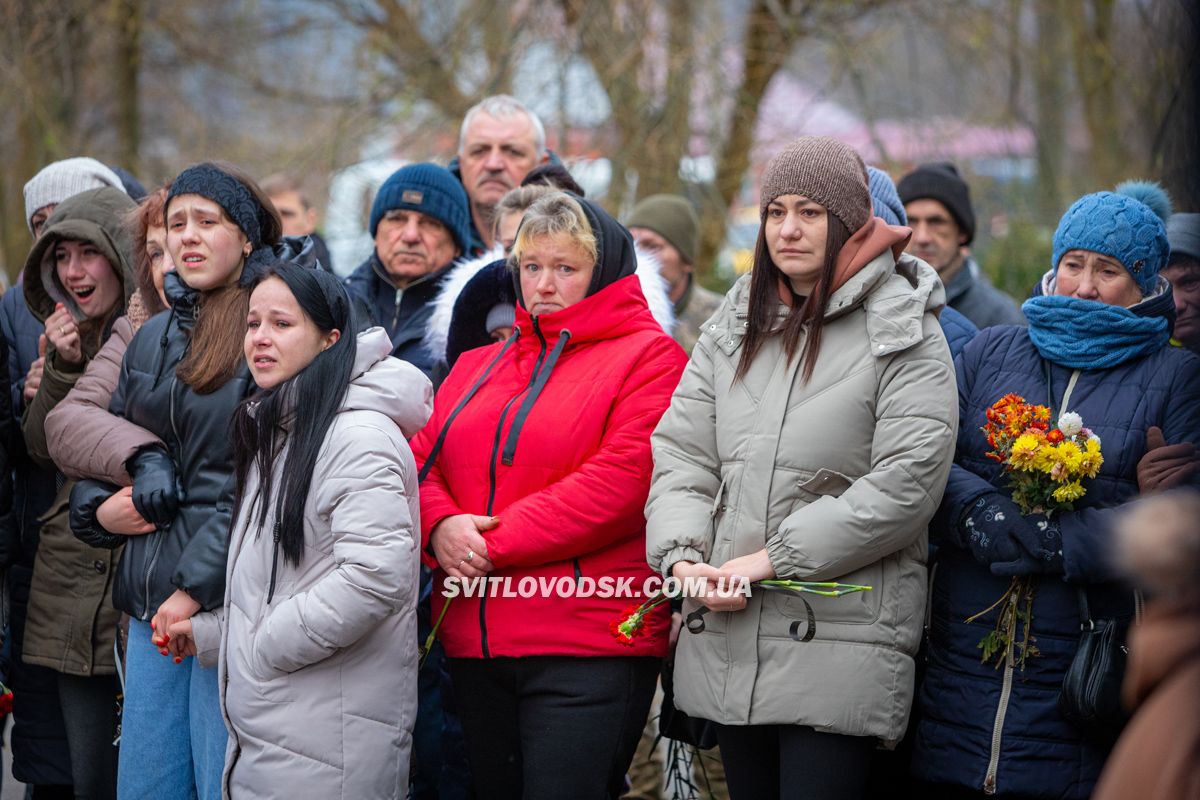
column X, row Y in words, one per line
column 421, row 223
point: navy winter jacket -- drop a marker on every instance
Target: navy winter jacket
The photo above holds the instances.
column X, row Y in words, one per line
column 39, row 738
column 1038, row 753
column 403, row 313
column 958, row 329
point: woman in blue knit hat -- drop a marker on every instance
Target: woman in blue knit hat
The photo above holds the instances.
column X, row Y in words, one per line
column 1096, row 345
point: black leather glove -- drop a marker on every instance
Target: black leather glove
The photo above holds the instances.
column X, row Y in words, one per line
column 1040, row 541
column 86, row 498
column 154, row 494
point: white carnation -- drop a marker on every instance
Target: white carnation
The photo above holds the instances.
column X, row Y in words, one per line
column 1070, row 423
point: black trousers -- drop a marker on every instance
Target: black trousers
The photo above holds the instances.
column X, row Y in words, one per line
column 549, row 727
column 777, row 762
column 90, row 712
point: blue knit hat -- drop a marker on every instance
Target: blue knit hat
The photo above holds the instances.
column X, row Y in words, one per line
column 431, row 190
column 1128, row 225
column 885, row 201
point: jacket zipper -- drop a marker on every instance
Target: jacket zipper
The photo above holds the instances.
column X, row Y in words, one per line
column 159, row 538
column 989, row 781
column 274, row 562
column 396, row 316
column 537, row 365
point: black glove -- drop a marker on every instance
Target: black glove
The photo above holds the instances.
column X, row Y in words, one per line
column 1040, row 541
column 988, row 528
column 86, row 498
column 154, row 495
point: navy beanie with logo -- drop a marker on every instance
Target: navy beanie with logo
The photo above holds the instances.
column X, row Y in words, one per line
column 431, row 190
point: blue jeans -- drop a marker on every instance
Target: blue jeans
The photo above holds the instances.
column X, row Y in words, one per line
column 172, row 735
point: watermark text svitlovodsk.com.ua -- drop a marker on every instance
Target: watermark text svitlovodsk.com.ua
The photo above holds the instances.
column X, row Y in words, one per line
column 604, row 587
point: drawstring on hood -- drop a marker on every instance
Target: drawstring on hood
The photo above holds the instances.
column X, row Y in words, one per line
column 487, row 373
column 539, row 383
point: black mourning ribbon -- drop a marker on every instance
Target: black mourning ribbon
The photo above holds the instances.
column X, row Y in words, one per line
column 695, row 620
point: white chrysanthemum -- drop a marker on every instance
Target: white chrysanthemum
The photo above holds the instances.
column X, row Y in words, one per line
column 1070, row 423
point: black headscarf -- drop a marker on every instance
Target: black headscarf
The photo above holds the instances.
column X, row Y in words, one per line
column 615, row 257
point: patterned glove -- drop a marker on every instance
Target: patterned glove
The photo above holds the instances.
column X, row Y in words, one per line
column 988, row 529
column 1040, row 552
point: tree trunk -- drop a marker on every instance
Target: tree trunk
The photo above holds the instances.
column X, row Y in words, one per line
column 127, row 66
column 1050, row 98
column 667, row 131
column 765, row 48
column 1095, row 72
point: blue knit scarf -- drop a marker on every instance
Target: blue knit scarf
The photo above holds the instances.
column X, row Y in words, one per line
column 1085, row 334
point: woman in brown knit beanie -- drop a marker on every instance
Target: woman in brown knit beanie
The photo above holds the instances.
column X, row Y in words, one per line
column 809, row 439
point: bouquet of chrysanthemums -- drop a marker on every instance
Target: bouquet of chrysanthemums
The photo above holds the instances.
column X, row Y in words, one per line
column 1046, row 467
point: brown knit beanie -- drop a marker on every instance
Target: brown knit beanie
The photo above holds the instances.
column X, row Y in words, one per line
column 821, row 169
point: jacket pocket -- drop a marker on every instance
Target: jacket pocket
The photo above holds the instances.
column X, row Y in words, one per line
column 824, row 482
column 781, row 609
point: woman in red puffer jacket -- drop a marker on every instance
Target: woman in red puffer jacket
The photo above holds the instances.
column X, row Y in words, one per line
column 536, row 468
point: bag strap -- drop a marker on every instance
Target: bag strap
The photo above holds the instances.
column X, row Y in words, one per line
column 1056, row 413
column 1085, row 615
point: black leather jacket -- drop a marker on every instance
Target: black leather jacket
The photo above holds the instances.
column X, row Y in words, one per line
column 191, row 553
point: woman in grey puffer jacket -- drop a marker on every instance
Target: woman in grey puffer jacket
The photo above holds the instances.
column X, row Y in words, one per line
column 809, row 439
column 318, row 671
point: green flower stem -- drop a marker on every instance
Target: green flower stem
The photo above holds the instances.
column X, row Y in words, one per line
column 824, row 589
column 424, row 652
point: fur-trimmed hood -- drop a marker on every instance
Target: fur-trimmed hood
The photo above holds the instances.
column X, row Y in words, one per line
column 437, row 334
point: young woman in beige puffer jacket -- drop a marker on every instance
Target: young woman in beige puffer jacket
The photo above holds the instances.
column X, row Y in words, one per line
column 316, row 635
column 809, row 439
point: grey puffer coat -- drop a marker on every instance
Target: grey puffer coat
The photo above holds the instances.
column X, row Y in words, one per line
column 319, row 686
column 837, row 478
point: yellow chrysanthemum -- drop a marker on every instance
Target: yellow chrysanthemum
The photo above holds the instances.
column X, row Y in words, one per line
column 1069, row 492
column 1024, row 451
column 1070, row 456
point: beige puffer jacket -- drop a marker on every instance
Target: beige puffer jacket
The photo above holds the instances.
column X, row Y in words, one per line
column 319, row 687
column 838, row 479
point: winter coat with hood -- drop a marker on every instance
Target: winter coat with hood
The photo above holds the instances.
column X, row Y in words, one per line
column 71, row 623
column 188, row 554
column 554, row 441
column 836, row 477
column 94, row 216
column 319, row 685
column 474, row 287
column 1037, row 752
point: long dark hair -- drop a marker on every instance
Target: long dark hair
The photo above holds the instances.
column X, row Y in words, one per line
column 297, row 412
column 216, row 347
column 764, row 300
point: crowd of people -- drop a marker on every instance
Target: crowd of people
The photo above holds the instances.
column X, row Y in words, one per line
column 265, row 525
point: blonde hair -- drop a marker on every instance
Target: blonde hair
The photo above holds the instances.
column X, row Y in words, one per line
column 555, row 214
column 518, row 200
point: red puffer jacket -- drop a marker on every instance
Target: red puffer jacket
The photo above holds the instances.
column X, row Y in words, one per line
column 556, row 443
